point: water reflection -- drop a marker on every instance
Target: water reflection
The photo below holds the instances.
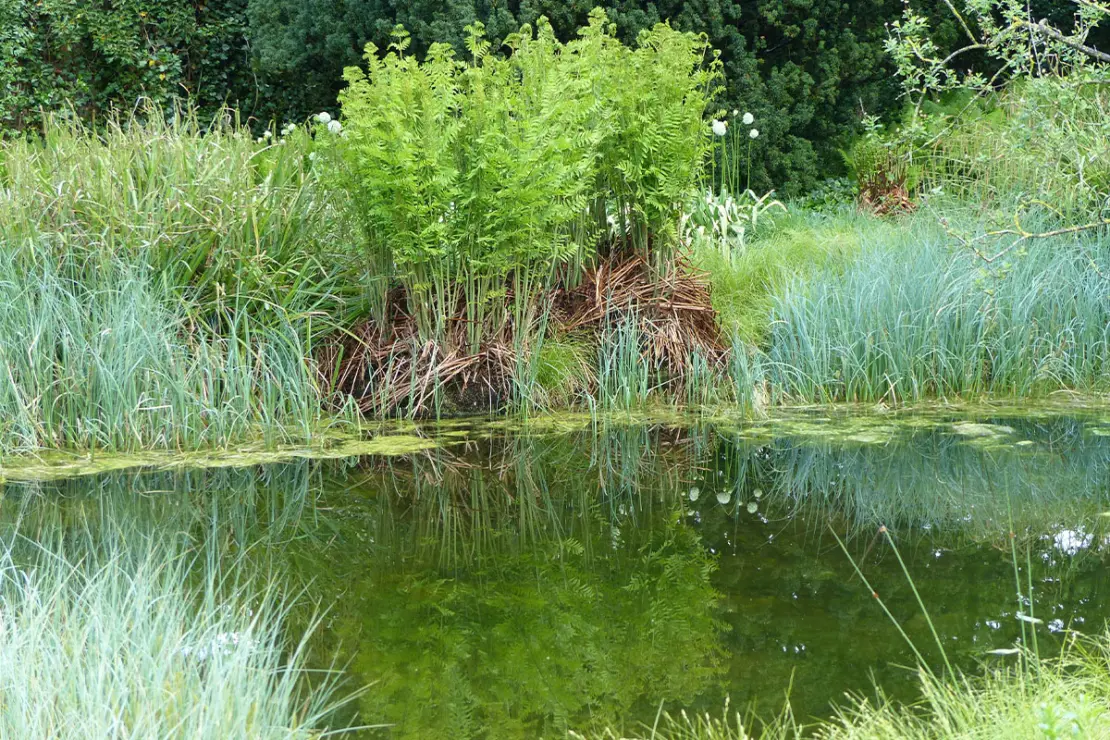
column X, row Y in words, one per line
column 508, row 585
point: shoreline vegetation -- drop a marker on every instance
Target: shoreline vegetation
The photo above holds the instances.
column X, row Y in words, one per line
column 521, row 225
column 175, row 286
column 118, row 634
column 1038, row 698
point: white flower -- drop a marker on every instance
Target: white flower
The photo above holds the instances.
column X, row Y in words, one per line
column 735, row 113
column 288, row 129
column 266, row 134
column 748, row 119
column 694, row 493
column 335, row 127
column 720, row 128
column 752, row 507
column 754, row 133
column 323, row 117
column 1071, row 541
column 723, row 497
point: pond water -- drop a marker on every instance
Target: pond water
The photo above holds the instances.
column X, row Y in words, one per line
column 514, row 580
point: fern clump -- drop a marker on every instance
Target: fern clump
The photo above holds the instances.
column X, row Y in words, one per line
column 476, row 181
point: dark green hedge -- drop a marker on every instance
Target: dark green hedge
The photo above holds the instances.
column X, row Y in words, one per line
column 89, row 57
column 806, row 68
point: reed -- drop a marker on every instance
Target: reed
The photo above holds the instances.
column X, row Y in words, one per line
column 110, row 361
column 163, row 283
column 223, row 219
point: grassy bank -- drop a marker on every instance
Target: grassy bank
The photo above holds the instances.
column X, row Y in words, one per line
column 1061, row 698
column 159, row 281
column 167, row 287
column 914, row 317
column 141, row 639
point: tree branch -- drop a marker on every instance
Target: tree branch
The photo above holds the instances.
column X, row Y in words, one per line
column 1022, row 236
column 1045, row 30
column 963, row 23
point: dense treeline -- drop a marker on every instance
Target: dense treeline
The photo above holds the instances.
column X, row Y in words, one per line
column 808, row 69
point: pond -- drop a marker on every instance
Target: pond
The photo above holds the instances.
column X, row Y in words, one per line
column 511, row 580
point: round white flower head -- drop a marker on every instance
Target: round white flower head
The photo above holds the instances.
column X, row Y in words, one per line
column 754, row 133
column 720, row 128
column 266, row 134
column 323, row 117
column 335, row 127
column 723, row 497
column 735, row 113
column 748, row 119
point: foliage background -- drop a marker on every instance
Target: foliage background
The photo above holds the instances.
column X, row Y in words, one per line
column 88, row 57
column 808, row 69
column 805, row 68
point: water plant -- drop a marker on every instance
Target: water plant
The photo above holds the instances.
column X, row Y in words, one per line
column 108, row 361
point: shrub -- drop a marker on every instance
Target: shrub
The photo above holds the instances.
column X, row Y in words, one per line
column 1044, row 139
column 91, row 58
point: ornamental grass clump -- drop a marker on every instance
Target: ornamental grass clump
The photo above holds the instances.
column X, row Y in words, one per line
column 145, row 640
column 216, row 216
column 161, row 283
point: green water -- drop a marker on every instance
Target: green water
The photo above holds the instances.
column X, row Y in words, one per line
column 513, row 582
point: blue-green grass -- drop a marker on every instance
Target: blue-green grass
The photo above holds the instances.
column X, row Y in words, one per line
column 916, row 316
column 114, row 640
